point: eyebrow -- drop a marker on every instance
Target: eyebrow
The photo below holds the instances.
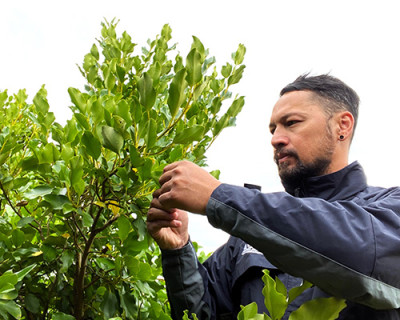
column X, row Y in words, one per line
column 272, row 125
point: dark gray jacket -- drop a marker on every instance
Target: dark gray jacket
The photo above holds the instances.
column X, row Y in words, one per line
column 337, row 232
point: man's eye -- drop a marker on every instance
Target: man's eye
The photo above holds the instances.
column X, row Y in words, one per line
column 291, row 122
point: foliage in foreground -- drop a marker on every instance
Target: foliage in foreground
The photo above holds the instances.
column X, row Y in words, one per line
column 73, row 197
column 277, row 299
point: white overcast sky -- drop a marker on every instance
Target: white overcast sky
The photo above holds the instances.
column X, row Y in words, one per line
column 357, row 41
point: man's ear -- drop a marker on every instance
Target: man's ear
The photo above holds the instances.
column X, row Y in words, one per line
column 345, row 125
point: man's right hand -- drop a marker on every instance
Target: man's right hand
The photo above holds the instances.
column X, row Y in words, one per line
column 168, row 228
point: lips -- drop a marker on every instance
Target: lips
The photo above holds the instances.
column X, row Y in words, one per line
column 283, row 155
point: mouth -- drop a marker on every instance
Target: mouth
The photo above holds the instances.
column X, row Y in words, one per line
column 283, row 156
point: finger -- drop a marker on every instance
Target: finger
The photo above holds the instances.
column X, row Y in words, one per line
column 155, row 214
column 156, row 193
column 155, row 226
column 165, row 177
column 171, row 166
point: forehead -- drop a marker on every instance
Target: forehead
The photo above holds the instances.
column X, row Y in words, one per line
column 296, row 102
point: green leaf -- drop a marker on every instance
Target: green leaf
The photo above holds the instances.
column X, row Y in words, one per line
column 41, row 103
column 141, row 271
column 176, row 92
column 226, row 70
column 82, row 120
column 92, row 145
column 221, row 124
column 22, row 273
column 67, row 258
column 77, row 99
column 97, row 111
column 274, row 301
column 250, row 312
column 196, row 44
column 135, row 157
column 10, row 307
column 296, row 291
column 321, row 308
column 147, row 94
column 18, row 237
column 128, row 303
column 109, row 304
column 24, row 221
column 236, row 107
column 239, row 54
column 166, row 32
column 124, row 226
column 236, row 75
column 56, row 201
column 193, row 67
column 9, row 293
column 62, row 316
column 87, row 220
column 123, row 111
column 189, row 135
column 32, row 303
column 49, row 154
column 112, row 139
column 94, row 51
column 151, row 134
column 6, row 279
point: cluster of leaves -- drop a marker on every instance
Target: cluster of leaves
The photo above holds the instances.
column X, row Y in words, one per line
column 73, row 197
column 277, row 299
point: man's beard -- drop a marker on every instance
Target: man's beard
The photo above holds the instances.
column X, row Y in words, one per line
column 292, row 177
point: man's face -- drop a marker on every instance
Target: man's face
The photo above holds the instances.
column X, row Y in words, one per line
column 302, row 138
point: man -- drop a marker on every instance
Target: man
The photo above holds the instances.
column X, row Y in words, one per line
column 329, row 227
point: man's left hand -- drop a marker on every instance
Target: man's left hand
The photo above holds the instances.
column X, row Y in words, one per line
column 186, row 186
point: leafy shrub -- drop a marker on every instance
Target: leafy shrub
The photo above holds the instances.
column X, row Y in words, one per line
column 73, row 197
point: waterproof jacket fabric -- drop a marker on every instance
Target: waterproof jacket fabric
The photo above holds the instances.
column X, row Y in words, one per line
column 334, row 231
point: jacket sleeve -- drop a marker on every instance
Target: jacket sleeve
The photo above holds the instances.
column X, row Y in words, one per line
column 185, row 286
column 203, row 289
column 346, row 249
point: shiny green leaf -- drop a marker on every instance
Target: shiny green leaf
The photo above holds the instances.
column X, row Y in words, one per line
column 193, row 67
column 236, row 107
column 62, row 316
column 151, row 135
column 32, row 303
column 109, row 304
column 41, row 103
column 67, row 258
column 95, row 52
column 176, row 92
column 239, row 54
column 10, row 307
column 321, row 308
column 236, row 75
column 124, row 226
column 226, row 70
column 18, row 237
column 275, row 301
column 92, row 145
column 146, row 91
column 77, row 99
column 39, row 191
column 189, row 135
column 56, row 201
column 112, row 139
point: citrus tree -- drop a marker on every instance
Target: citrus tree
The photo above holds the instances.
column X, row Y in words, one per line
column 73, row 197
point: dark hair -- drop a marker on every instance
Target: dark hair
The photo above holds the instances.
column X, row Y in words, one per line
column 333, row 93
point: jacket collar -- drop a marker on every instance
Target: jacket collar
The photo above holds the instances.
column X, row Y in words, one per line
column 340, row 185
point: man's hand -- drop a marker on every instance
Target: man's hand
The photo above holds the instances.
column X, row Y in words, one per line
column 168, row 228
column 186, row 186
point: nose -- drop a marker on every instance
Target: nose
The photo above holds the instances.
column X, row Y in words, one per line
column 279, row 138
